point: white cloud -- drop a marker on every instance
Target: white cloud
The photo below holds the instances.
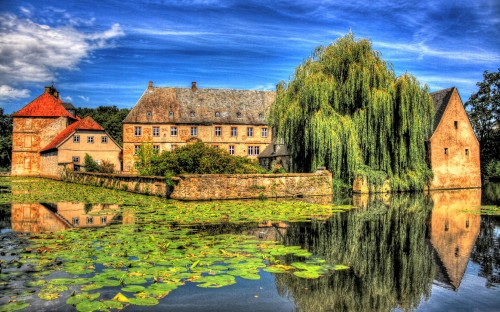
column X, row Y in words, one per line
column 85, row 98
column 10, row 93
column 68, row 98
column 34, row 52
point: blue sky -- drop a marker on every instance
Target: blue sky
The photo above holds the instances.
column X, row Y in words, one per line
column 105, row 52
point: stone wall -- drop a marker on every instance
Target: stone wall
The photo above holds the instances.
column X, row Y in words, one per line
column 235, row 186
column 131, row 183
column 215, row 186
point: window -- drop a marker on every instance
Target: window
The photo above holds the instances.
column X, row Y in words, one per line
column 264, row 132
column 76, row 138
column 194, row 131
column 90, row 139
column 156, row 149
column 173, row 147
column 446, row 151
column 238, row 115
column 104, row 139
column 217, row 131
column 466, row 152
column 75, row 159
column 253, row 150
column 249, row 131
column 90, row 220
column 261, row 116
column 149, row 114
column 231, row 149
column 136, row 149
column 138, row 131
column 173, row 131
column 75, row 221
column 103, row 219
column 217, row 114
column 456, row 124
column 156, row 131
column 170, row 114
column 234, row 131
column 192, row 114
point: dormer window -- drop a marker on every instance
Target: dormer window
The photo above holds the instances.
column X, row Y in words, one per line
column 149, row 114
column 217, row 114
column 261, row 116
column 170, row 114
column 238, row 115
column 192, row 114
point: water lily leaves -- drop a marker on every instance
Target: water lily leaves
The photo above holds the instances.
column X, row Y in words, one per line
column 110, row 304
column 133, row 288
column 51, row 292
column 340, row 267
column 307, row 274
column 278, row 268
column 68, row 281
column 145, row 301
column 85, row 296
column 14, row 306
column 216, row 281
column 91, row 287
column 90, row 306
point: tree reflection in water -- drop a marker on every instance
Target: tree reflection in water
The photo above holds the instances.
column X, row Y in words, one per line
column 385, row 244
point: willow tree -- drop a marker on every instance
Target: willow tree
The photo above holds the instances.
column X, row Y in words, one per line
column 345, row 109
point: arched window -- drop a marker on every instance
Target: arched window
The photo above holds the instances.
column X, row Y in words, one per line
column 192, row 114
column 217, row 114
column 238, row 114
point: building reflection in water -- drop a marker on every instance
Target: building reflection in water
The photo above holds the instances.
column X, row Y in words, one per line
column 455, row 224
column 48, row 217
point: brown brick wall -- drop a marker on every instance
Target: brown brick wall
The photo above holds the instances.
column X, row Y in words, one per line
column 456, row 168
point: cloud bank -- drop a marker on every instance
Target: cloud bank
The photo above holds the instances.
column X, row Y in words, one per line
column 33, row 52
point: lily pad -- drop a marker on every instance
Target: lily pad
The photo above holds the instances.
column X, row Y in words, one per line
column 147, row 301
column 14, row 306
column 133, row 288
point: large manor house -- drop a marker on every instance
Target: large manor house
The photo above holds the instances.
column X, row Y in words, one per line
column 49, row 138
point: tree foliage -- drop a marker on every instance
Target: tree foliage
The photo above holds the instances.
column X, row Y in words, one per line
column 483, row 109
column 5, row 140
column 109, row 117
column 198, row 158
column 93, row 166
column 346, row 109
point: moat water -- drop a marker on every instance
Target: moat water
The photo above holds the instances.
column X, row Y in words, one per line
column 418, row 252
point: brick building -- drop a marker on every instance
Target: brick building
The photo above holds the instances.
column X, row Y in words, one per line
column 453, row 146
column 234, row 120
column 41, row 134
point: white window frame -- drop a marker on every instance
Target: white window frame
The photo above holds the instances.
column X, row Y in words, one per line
column 218, row 131
column 75, row 159
column 90, row 139
column 234, row 131
column 156, row 148
column 264, row 132
column 231, row 149
column 173, row 131
column 156, row 131
column 76, row 138
column 250, row 131
column 104, row 139
column 194, row 131
column 136, row 149
column 138, row 131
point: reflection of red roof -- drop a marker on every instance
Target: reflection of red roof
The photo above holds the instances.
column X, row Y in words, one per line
column 86, row 123
column 46, row 105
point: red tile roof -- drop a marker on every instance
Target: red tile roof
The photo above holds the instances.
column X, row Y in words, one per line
column 86, row 123
column 46, row 105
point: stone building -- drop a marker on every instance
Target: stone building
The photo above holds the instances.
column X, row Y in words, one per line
column 41, row 138
column 234, row 120
column 453, row 147
column 85, row 136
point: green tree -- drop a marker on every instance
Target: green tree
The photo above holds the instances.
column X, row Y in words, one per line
column 109, row 117
column 483, row 109
column 90, row 164
column 5, row 140
column 198, row 158
column 346, row 109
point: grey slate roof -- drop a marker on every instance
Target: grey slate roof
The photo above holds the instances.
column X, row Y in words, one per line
column 202, row 106
column 441, row 99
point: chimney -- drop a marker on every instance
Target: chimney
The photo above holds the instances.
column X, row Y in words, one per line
column 56, row 94
column 47, row 89
column 150, row 85
column 193, row 86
